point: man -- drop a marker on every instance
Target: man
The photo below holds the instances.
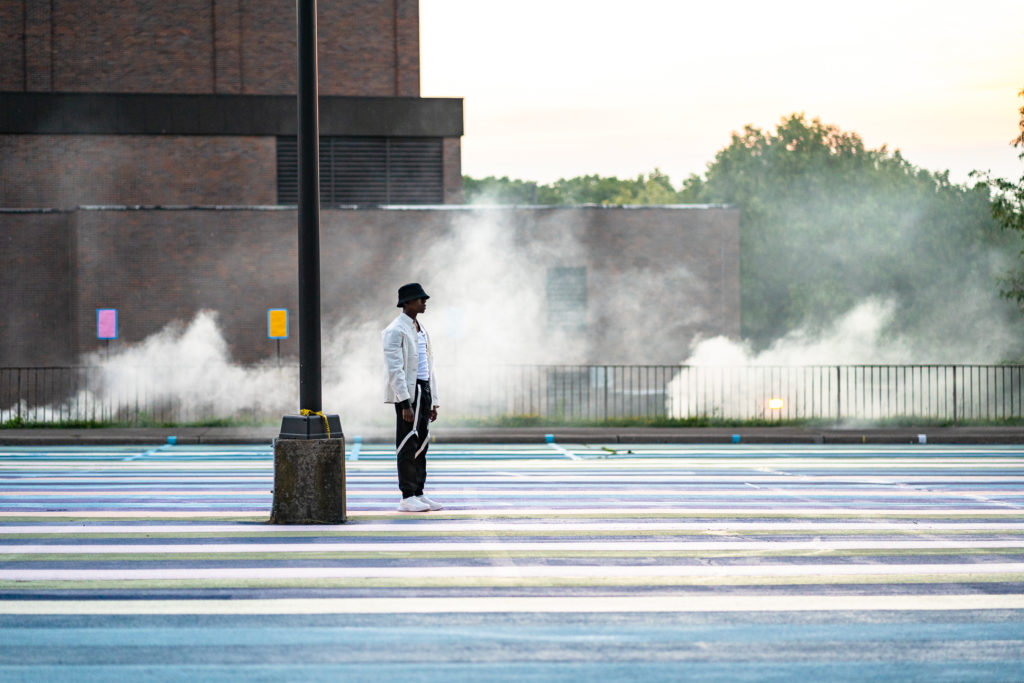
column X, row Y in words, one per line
column 413, row 390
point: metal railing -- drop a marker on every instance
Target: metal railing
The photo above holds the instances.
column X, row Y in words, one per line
column 555, row 392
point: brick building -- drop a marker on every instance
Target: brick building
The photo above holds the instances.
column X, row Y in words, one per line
column 192, row 102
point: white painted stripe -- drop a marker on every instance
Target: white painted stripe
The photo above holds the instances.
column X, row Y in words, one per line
column 147, row 514
column 602, row 458
column 428, row 525
column 527, row 511
column 597, row 463
column 520, row 571
column 523, row 492
column 509, row 545
column 564, row 451
column 536, row 478
column 602, row 604
column 623, row 468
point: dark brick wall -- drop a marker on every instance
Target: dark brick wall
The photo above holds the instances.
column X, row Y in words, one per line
column 452, row 161
column 65, row 171
column 160, row 266
column 407, row 48
column 38, row 41
column 12, row 45
column 70, row 170
column 367, row 47
column 656, row 277
column 227, row 46
column 36, row 287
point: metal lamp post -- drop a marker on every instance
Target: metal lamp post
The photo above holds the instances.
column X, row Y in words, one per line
column 309, row 453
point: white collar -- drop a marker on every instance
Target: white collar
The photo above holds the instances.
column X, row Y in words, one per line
column 410, row 322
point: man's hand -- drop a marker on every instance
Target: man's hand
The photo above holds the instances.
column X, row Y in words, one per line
column 407, row 414
column 433, row 414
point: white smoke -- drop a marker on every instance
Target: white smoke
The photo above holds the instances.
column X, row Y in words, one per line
column 187, row 369
column 858, row 368
column 855, row 338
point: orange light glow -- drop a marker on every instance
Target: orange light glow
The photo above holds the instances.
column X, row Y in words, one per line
column 776, row 403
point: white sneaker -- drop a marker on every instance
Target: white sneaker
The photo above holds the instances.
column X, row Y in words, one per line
column 434, row 505
column 413, row 504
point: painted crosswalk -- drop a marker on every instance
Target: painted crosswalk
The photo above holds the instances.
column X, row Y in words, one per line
column 620, row 562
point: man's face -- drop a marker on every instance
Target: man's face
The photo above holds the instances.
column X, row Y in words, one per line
column 416, row 306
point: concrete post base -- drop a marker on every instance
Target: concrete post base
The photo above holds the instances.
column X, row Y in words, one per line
column 309, row 481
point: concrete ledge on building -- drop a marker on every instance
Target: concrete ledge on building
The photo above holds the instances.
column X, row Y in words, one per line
column 534, row 435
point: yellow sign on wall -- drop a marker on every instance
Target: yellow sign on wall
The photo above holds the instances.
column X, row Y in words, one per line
column 277, row 323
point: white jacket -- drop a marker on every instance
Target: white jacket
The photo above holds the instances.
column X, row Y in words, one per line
column 401, row 357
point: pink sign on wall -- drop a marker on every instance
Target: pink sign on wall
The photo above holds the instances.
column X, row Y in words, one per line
column 106, row 323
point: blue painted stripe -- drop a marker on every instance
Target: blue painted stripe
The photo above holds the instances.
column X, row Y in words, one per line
column 770, row 671
column 629, row 632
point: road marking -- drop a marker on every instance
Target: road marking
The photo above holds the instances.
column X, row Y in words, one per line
column 554, row 446
column 519, row 511
column 547, row 605
column 1010, row 570
column 428, row 525
column 506, row 545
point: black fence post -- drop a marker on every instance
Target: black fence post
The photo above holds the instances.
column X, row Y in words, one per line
column 954, row 395
column 839, row 395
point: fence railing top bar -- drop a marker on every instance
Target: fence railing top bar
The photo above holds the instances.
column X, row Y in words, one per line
column 833, row 366
column 580, row 366
column 752, row 365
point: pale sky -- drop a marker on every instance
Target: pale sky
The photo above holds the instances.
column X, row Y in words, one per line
column 560, row 88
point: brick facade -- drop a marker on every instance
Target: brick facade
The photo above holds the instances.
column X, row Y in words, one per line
column 37, row 283
column 656, row 277
column 64, row 171
column 452, row 152
column 12, row 46
column 367, row 47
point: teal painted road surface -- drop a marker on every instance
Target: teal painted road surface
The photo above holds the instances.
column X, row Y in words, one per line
column 551, row 561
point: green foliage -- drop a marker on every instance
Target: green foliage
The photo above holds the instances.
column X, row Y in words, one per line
column 708, row 421
column 20, row 423
column 827, row 223
column 143, row 421
column 1008, row 212
column 656, row 188
column 491, row 190
column 518, row 420
column 653, row 188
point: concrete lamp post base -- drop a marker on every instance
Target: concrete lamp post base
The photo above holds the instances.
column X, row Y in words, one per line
column 309, row 477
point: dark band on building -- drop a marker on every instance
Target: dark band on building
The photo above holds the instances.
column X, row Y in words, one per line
column 204, row 114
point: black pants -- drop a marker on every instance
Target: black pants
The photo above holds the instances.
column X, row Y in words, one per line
column 411, row 442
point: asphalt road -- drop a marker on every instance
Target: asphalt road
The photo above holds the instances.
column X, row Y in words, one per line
column 551, row 561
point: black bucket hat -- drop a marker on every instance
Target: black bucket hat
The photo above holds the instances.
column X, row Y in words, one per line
column 410, row 292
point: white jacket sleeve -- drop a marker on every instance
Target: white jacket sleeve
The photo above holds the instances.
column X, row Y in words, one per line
column 394, row 358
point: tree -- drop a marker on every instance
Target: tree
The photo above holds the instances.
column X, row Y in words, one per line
column 492, row 190
column 653, row 188
column 1008, row 212
column 587, row 189
column 827, row 223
